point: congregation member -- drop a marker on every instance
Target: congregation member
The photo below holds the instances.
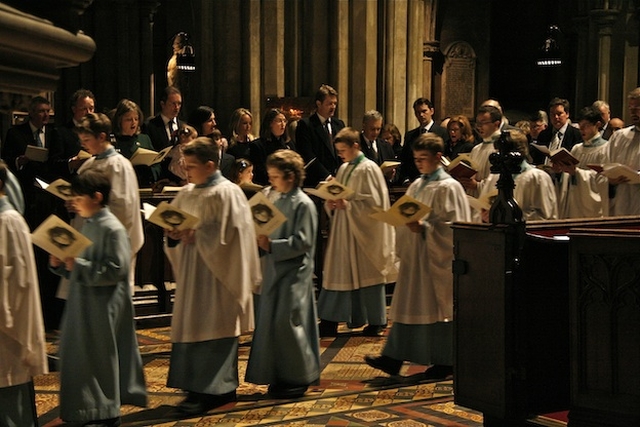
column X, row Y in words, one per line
column 424, row 111
column 124, row 199
column 616, row 124
column 391, row 134
column 360, row 256
column 560, row 134
column 162, row 128
column 285, row 352
column 203, row 119
column 624, row 148
column 126, row 121
column 213, row 302
column 22, row 339
column 422, row 304
column 240, row 130
column 372, row 146
column 272, row 138
column 314, row 137
column 488, row 122
column 537, row 123
column 100, row 363
column 83, row 102
column 176, row 170
column 534, row 189
column 461, row 138
column 605, row 117
column 581, row 191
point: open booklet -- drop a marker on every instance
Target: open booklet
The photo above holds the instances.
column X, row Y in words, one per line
column 483, row 202
column 460, row 167
column 169, row 217
column 561, row 155
column 83, row 155
column 36, row 154
column 266, row 217
column 250, row 186
column 405, row 210
column 59, row 239
column 615, row 170
column 59, row 188
column 143, row 156
column 387, row 165
column 330, row 190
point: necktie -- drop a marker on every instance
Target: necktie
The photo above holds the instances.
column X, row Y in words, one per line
column 555, row 143
column 328, row 128
column 172, row 130
column 423, row 130
column 38, row 138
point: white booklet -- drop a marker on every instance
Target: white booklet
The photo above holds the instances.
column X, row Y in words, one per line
column 169, row 217
column 37, row 154
column 483, row 202
column 59, row 187
column 405, row 210
column 266, row 217
column 143, row 156
column 615, row 170
column 330, row 190
column 59, row 239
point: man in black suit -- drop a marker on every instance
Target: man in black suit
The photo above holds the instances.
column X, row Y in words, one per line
column 605, row 112
column 39, row 204
column 373, row 147
column 163, row 128
column 560, row 134
column 82, row 103
column 423, row 110
column 314, row 137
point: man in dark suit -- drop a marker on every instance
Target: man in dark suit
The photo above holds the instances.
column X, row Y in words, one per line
column 314, row 137
column 163, row 128
column 560, row 134
column 373, row 147
column 82, row 103
column 423, row 110
column 39, row 204
column 605, row 112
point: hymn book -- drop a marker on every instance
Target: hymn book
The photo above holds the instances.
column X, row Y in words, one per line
column 615, row 170
column 266, row 216
column 405, row 210
column 59, row 239
column 36, row 154
column 330, row 190
column 483, row 202
column 387, row 165
column 59, row 188
column 561, row 155
column 462, row 167
column 169, row 217
column 143, row 156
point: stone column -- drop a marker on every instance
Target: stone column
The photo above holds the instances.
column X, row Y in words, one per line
column 395, row 63
column 148, row 9
column 415, row 66
column 273, row 48
column 604, row 20
column 582, row 66
column 253, row 60
column 341, row 71
column 430, row 47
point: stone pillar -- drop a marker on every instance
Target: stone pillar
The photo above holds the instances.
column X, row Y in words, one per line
column 395, row 63
column 148, row 9
column 273, row 48
column 253, row 60
column 430, row 48
column 415, row 66
column 583, row 59
column 604, row 20
column 341, row 71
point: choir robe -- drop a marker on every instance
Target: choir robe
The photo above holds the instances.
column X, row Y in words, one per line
column 534, row 191
column 586, row 194
column 214, row 279
column 422, row 304
column 22, row 341
column 480, row 156
column 100, row 364
column 14, row 192
column 360, row 256
column 624, row 148
column 285, row 347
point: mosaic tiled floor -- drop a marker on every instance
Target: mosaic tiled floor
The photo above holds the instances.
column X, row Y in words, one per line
column 350, row 393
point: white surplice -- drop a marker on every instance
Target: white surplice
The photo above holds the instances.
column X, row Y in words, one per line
column 624, row 148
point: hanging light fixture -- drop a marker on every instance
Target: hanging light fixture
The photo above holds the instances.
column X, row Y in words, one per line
column 185, row 56
column 550, row 54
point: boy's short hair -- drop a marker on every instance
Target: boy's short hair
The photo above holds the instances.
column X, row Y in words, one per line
column 429, row 142
column 590, row 114
column 94, row 124
column 203, row 149
column 90, row 182
column 289, row 163
column 520, row 142
column 348, row 136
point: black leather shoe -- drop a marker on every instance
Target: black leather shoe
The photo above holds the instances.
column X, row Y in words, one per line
column 437, row 372
column 386, row 364
column 287, row 391
column 373, row 330
column 327, row 328
column 198, row 403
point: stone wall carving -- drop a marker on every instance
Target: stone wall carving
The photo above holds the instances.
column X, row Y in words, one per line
column 458, row 80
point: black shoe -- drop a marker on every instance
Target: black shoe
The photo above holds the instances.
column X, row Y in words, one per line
column 198, row 403
column 111, row 422
column 437, row 372
column 327, row 328
column 287, row 391
column 373, row 330
column 386, row 364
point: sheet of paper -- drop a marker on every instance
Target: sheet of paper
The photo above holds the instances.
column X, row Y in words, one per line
column 59, row 239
